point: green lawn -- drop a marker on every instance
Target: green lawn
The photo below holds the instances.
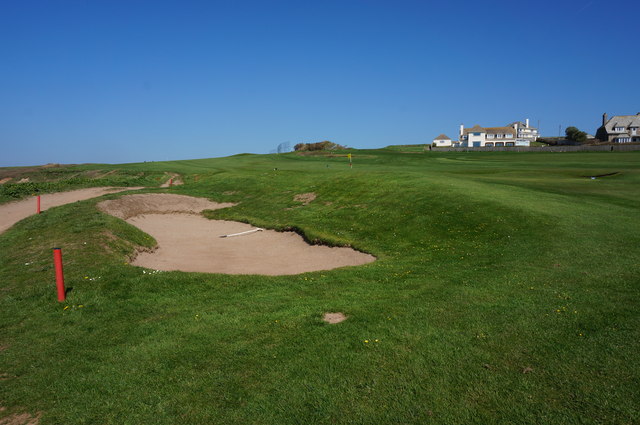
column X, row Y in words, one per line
column 505, row 292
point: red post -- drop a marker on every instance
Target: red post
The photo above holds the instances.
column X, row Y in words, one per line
column 38, row 204
column 57, row 259
column 171, row 182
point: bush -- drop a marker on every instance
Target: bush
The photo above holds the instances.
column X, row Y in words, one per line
column 320, row 146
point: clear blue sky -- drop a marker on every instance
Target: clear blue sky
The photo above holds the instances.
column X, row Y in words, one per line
column 124, row 81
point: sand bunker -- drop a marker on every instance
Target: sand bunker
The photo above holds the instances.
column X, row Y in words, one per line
column 189, row 242
column 13, row 212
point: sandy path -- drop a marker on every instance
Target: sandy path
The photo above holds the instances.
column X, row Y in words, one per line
column 173, row 180
column 189, row 242
column 13, row 212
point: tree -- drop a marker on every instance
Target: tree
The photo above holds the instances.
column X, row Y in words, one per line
column 576, row 135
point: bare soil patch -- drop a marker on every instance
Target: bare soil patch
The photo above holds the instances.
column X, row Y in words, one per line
column 305, row 198
column 190, row 242
column 20, row 419
column 5, row 180
column 334, row 318
column 12, row 212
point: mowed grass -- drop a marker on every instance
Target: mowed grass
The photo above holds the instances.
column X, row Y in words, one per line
column 505, row 291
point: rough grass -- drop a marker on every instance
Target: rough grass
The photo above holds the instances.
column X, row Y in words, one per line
column 505, row 291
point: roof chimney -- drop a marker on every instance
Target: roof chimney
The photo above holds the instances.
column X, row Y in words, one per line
column 461, row 130
column 604, row 118
column 526, row 125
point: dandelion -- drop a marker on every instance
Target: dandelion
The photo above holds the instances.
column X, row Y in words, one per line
column 377, row 340
column 86, row 277
column 366, row 341
column 65, row 307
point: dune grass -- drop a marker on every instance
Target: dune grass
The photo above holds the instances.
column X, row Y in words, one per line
column 505, row 291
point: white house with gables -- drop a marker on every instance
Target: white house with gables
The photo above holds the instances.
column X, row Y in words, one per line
column 515, row 134
column 480, row 137
column 442, row 141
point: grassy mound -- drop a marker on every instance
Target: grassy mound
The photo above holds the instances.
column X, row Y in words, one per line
column 505, row 291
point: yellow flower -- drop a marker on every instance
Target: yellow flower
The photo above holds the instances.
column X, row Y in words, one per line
column 377, row 340
column 65, row 307
column 366, row 341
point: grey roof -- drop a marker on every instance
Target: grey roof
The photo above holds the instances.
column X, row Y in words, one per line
column 442, row 137
column 499, row 130
column 475, row 129
column 625, row 121
column 521, row 125
column 489, row 130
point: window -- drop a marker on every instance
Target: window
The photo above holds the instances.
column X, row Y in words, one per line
column 499, row 144
column 489, row 144
column 476, row 134
column 510, row 144
column 499, row 136
column 618, row 129
column 490, row 136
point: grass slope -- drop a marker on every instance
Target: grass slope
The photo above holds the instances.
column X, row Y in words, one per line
column 505, row 291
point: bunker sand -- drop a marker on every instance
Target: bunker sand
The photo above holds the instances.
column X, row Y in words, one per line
column 187, row 241
column 13, row 212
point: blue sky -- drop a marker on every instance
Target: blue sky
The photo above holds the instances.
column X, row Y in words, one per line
column 125, row 81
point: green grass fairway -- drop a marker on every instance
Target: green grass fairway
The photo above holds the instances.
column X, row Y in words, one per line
column 506, row 291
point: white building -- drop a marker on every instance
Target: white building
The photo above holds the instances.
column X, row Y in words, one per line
column 515, row 134
column 524, row 131
column 442, row 141
column 480, row 137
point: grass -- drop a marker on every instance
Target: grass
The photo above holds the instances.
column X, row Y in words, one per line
column 505, row 291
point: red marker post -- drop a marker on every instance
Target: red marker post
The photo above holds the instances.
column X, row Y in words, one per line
column 38, row 204
column 171, row 182
column 57, row 260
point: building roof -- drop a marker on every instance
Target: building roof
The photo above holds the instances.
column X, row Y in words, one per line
column 475, row 129
column 490, row 130
column 625, row 121
column 499, row 130
column 442, row 137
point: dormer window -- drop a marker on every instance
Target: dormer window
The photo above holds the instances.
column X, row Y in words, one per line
column 618, row 129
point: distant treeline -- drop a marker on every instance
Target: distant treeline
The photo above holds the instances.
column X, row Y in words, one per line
column 320, row 146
